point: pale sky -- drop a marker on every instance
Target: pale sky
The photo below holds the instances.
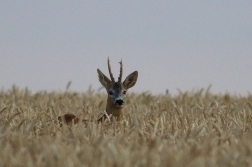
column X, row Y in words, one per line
column 174, row 45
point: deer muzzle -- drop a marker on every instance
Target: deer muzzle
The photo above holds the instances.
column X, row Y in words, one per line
column 119, row 102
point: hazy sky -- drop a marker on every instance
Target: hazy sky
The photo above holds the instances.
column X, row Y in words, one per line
column 173, row 44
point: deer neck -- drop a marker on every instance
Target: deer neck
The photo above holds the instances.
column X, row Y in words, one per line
column 113, row 110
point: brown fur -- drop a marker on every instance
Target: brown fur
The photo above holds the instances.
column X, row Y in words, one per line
column 68, row 119
column 113, row 110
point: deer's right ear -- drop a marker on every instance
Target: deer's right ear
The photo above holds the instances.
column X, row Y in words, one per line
column 103, row 79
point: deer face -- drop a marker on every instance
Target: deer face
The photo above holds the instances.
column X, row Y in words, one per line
column 116, row 94
column 117, row 90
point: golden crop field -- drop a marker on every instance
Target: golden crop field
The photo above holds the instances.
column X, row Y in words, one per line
column 193, row 129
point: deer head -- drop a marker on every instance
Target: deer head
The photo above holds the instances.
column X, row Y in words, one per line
column 116, row 90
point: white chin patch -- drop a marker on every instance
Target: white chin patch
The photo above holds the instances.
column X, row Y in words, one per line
column 117, row 105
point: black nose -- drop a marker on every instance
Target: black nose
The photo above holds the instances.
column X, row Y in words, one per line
column 119, row 102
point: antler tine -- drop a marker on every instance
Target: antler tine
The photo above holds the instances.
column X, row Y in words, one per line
column 110, row 73
column 121, row 71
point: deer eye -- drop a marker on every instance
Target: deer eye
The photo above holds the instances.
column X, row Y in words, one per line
column 110, row 92
column 124, row 92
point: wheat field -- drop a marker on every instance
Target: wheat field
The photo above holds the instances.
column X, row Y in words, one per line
column 194, row 129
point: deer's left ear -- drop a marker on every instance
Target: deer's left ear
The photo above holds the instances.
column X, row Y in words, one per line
column 130, row 80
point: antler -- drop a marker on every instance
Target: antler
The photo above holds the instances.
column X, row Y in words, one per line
column 110, row 73
column 121, row 71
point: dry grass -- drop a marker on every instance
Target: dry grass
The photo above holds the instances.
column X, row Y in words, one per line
column 191, row 129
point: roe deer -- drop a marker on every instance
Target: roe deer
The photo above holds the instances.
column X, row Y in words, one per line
column 115, row 91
